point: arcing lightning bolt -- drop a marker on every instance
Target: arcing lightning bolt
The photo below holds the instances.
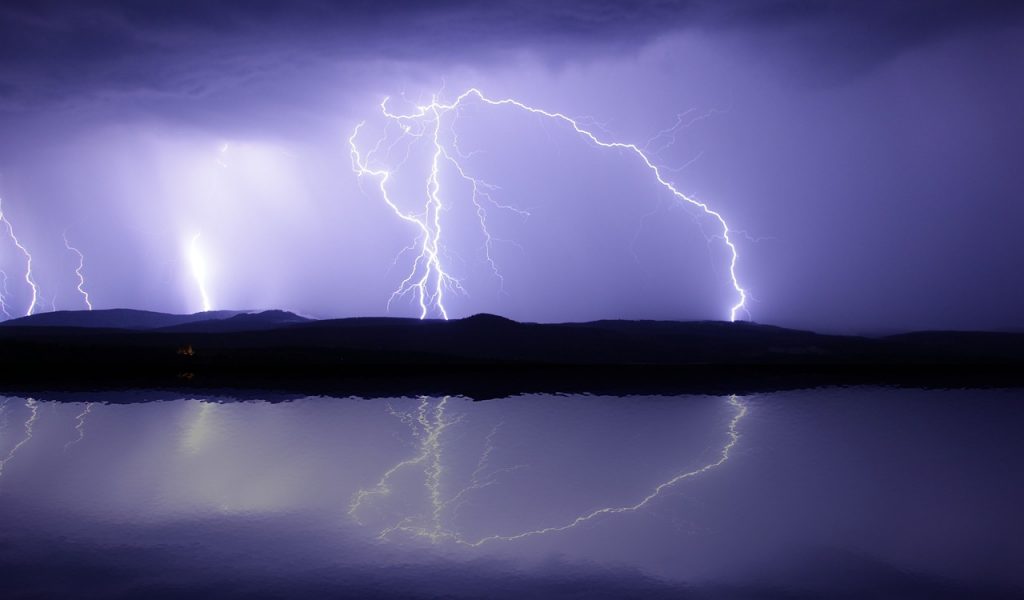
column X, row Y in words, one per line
column 733, row 437
column 430, row 525
column 78, row 270
column 79, row 426
column 428, row 279
column 33, row 407
column 28, row 261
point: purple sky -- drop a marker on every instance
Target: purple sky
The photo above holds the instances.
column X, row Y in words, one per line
column 870, row 151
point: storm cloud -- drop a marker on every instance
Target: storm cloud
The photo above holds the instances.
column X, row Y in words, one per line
column 51, row 50
column 866, row 152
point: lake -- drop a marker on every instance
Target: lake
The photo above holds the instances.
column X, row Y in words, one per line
column 837, row 492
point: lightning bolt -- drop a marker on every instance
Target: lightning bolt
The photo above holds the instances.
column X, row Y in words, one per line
column 78, row 270
column 428, row 280
column 28, row 260
column 667, row 137
column 431, row 525
column 32, row 405
column 733, row 436
column 432, row 424
column 80, row 426
column 198, row 265
column 3, row 295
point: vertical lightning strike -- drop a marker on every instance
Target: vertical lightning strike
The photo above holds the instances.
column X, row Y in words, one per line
column 3, row 295
column 430, row 456
column 431, row 242
column 80, row 426
column 33, row 407
column 78, row 270
column 428, row 279
column 430, row 285
column 198, row 265
column 28, row 261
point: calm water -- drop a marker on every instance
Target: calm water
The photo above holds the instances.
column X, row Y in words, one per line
column 837, row 492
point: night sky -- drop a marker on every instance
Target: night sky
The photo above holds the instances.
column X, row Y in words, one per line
column 866, row 156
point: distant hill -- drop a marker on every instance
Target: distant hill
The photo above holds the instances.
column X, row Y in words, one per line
column 115, row 318
column 259, row 321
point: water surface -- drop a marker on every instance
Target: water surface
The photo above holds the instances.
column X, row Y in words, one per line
column 837, row 492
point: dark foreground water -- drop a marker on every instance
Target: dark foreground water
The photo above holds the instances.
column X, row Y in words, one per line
column 859, row 492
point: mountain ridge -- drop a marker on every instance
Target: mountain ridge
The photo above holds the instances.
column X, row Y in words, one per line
column 486, row 355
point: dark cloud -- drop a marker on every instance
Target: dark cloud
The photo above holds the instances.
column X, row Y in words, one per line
column 57, row 48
